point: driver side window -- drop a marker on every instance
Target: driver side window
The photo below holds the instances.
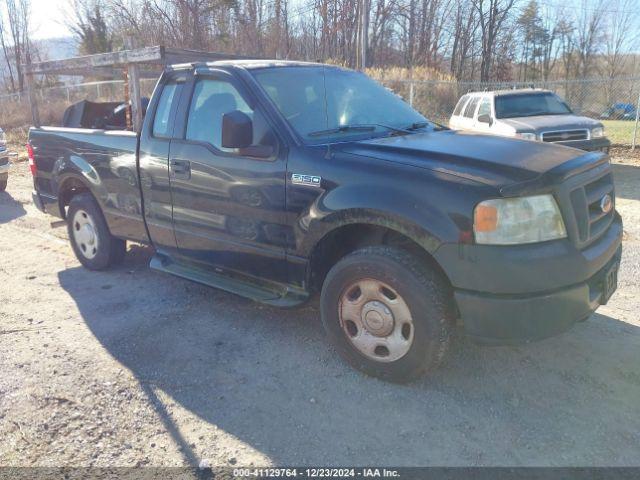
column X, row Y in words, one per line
column 212, row 99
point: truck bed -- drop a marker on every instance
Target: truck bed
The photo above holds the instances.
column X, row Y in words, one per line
column 103, row 160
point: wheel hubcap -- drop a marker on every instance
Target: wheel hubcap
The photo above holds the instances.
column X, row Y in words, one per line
column 84, row 234
column 376, row 320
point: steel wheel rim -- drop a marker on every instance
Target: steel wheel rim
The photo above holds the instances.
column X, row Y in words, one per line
column 85, row 234
column 376, row 320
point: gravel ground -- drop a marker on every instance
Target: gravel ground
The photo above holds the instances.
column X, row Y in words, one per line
column 134, row 367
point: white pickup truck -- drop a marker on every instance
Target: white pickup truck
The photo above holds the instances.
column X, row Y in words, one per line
column 530, row 114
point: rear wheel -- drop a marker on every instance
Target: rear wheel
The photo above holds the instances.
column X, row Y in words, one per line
column 3, row 185
column 89, row 235
column 387, row 314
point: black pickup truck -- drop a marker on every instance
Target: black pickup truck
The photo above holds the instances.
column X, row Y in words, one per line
column 275, row 180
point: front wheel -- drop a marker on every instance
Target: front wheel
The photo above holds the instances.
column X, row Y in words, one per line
column 89, row 235
column 388, row 314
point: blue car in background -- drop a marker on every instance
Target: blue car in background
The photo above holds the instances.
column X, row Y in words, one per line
column 620, row 111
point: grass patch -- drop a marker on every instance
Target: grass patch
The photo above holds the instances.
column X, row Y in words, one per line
column 620, row 132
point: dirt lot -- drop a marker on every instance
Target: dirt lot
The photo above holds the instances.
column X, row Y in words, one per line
column 134, row 367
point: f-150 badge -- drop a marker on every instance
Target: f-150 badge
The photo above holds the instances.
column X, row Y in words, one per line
column 300, row 179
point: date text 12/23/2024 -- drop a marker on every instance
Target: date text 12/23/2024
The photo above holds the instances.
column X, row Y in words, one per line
column 316, row 472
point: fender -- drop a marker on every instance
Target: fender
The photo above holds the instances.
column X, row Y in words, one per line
column 76, row 169
column 392, row 208
column 114, row 187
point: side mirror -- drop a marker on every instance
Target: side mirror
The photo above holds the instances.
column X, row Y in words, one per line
column 485, row 118
column 237, row 130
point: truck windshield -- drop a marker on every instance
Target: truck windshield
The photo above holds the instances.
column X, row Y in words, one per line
column 529, row 105
column 325, row 104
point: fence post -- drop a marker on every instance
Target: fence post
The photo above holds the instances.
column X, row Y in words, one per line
column 32, row 96
column 635, row 128
column 411, row 93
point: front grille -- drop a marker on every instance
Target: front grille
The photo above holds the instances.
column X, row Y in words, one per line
column 591, row 220
column 565, row 136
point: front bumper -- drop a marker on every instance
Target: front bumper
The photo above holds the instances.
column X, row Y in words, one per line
column 592, row 145
column 522, row 293
column 500, row 320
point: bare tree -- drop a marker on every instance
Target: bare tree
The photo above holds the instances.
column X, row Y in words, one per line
column 492, row 15
column 16, row 40
column 6, row 51
column 468, row 39
column 620, row 38
column 587, row 36
column 463, row 32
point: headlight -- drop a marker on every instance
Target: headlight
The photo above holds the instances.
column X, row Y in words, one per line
column 597, row 132
column 526, row 136
column 3, row 139
column 511, row 221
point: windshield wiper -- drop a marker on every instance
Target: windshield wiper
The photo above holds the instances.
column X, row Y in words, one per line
column 356, row 127
column 418, row 125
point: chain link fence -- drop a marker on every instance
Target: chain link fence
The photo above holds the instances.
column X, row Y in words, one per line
column 614, row 102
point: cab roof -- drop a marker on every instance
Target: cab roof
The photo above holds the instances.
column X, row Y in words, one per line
column 251, row 64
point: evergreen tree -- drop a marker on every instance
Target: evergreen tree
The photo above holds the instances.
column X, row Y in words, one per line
column 93, row 31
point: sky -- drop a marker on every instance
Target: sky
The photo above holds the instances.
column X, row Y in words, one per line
column 48, row 17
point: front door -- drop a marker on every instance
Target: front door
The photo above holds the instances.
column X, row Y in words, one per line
column 228, row 204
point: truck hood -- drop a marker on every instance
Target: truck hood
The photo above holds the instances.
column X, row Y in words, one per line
column 545, row 123
column 512, row 166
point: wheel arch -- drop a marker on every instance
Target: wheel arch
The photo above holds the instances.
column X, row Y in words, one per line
column 70, row 186
column 352, row 230
column 73, row 174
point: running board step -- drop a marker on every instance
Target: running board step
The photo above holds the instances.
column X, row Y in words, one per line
column 279, row 296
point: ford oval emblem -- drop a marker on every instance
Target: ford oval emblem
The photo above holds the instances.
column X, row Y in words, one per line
column 606, row 203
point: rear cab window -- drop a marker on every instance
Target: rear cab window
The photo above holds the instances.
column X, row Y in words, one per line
column 471, row 107
column 461, row 103
column 163, row 119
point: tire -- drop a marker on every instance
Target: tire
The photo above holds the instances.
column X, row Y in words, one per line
column 3, row 185
column 93, row 245
column 371, row 329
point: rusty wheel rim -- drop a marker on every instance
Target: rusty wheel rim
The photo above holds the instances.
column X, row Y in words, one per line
column 376, row 320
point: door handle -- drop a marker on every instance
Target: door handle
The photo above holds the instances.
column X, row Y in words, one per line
column 180, row 169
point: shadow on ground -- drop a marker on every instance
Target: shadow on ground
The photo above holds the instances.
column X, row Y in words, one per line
column 627, row 181
column 10, row 209
column 269, row 378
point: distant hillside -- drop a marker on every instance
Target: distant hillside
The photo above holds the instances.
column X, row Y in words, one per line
column 57, row 48
column 48, row 49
